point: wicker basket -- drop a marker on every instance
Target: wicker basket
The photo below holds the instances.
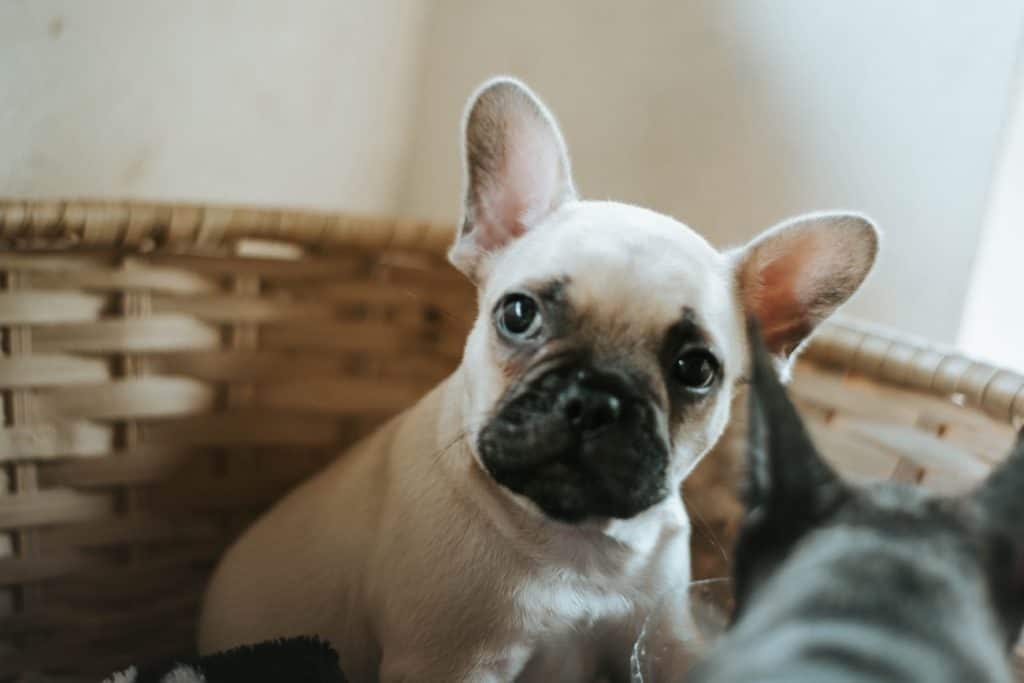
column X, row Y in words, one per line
column 168, row 371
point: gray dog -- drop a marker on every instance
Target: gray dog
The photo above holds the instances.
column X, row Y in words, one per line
column 839, row 584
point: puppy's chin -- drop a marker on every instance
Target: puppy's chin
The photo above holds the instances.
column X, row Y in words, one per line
column 615, row 472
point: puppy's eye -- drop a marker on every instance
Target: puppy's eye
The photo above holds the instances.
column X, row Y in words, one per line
column 696, row 369
column 518, row 316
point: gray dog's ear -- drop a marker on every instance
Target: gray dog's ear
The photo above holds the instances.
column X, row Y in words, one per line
column 1001, row 495
column 788, row 488
column 798, row 273
column 516, row 171
column 1000, row 499
column 785, row 474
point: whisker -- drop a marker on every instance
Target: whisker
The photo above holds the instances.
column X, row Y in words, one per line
column 439, row 453
column 709, row 532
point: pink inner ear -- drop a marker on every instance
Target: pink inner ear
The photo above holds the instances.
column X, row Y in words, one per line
column 776, row 285
column 796, row 275
column 491, row 235
column 529, row 185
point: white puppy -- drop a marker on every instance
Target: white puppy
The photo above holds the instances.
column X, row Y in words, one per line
column 520, row 521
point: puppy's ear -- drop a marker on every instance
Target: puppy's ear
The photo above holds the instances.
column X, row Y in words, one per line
column 798, row 273
column 516, row 171
column 1000, row 499
column 788, row 488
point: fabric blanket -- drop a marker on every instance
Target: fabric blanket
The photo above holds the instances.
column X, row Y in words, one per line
column 290, row 660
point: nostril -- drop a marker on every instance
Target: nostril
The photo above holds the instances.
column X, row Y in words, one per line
column 592, row 411
column 574, row 411
column 605, row 411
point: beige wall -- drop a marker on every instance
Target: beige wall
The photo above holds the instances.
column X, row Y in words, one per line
column 304, row 103
column 732, row 114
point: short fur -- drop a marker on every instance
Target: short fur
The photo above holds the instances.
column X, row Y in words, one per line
column 842, row 584
column 478, row 536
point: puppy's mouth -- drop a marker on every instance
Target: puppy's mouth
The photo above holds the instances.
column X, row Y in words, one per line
column 579, row 443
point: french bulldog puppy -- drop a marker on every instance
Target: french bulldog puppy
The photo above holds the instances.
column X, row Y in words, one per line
column 843, row 584
column 518, row 523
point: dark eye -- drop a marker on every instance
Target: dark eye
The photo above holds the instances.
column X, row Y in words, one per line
column 518, row 316
column 696, row 369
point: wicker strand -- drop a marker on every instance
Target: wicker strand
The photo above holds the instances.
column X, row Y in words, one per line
column 145, row 226
column 916, row 364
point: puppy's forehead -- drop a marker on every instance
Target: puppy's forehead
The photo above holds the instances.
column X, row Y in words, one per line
column 625, row 261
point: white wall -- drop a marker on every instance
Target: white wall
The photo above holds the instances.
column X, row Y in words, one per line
column 302, row 103
column 732, row 114
column 993, row 321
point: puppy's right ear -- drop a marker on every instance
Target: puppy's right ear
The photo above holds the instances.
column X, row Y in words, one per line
column 516, row 172
column 795, row 275
column 788, row 488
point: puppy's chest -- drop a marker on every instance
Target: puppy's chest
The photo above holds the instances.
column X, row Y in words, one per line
column 554, row 601
column 611, row 588
column 568, row 625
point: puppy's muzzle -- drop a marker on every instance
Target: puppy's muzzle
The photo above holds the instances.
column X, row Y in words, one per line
column 579, row 442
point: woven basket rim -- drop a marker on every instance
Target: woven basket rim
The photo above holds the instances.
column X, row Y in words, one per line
column 146, row 225
column 904, row 360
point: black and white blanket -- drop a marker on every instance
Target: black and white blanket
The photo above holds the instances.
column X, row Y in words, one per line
column 291, row 660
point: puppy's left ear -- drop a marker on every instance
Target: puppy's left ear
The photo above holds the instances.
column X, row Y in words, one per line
column 516, row 172
column 798, row 273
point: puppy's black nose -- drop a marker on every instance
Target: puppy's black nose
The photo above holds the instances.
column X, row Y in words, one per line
column 589, row 409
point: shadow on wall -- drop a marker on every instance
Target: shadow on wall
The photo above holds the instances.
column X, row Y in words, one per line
column 658, row 106
column 731, row 115
column 993, row 328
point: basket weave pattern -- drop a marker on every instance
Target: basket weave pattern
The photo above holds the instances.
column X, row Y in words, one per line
column 165, row 377
column 169, row 370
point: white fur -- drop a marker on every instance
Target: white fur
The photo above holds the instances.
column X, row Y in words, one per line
column 183, row 674
column 409, row 558
column 127, row 676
